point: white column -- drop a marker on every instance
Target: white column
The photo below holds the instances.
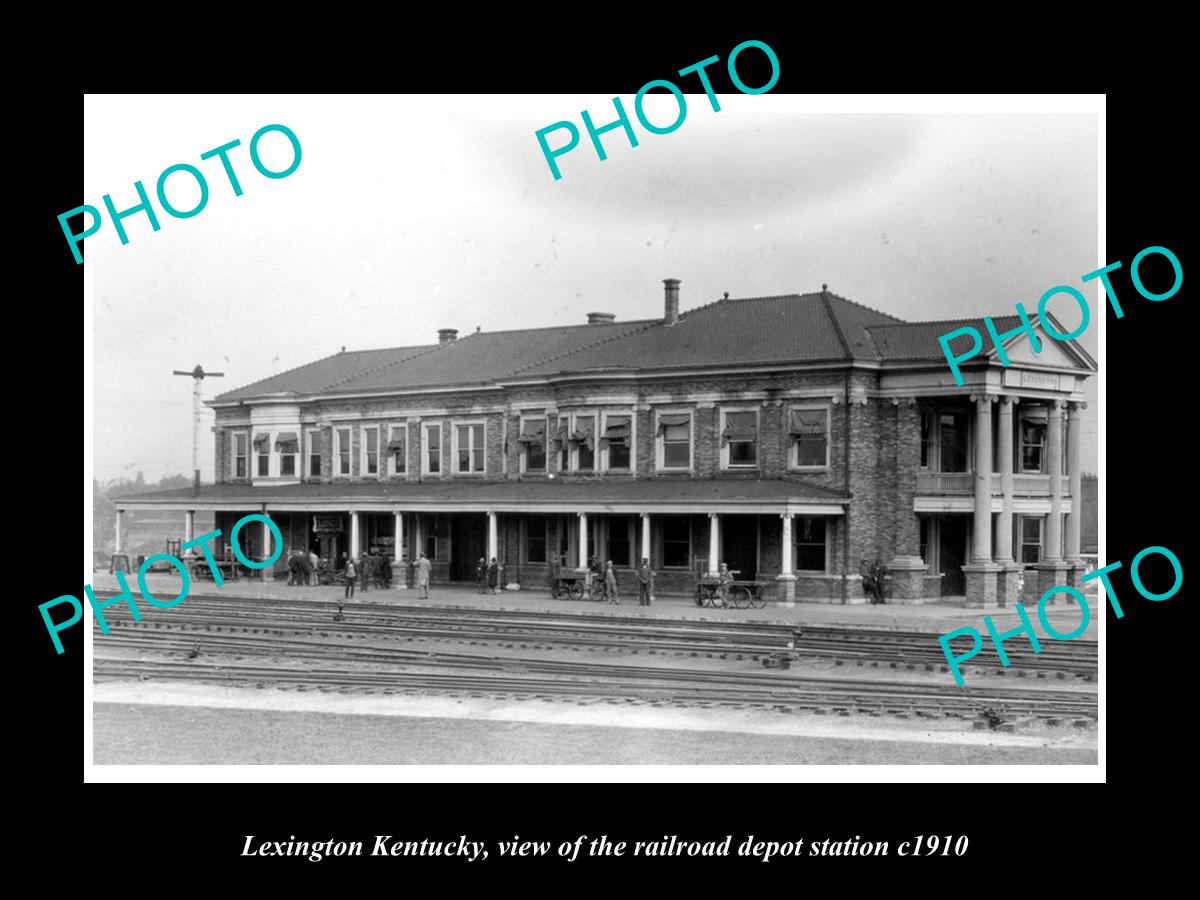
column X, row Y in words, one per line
column 493, row 551
column 267, row 549
column 786, row 551
column 1053, row 548
column 120, row 514
column 189, row 525
column 1075, row 477
column 981, row 541
column 354, row 535
column 1004, row 524
column 714, row 535
column 583, row 542
column 645, row 537
column 398, row 548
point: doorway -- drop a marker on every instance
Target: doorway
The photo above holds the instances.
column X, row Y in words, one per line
column 468, row 543
column 952, row 553
column 739, row 546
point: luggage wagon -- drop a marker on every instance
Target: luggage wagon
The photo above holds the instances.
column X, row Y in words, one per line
column 732, row 595
column 572, row 584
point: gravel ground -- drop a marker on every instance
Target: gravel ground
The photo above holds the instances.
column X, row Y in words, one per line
column 139, row 734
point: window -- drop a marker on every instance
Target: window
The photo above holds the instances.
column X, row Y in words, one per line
column 535, row 538
column 533, row 445
column 952, row 442
column 676, row 542
column 240, row 440
column 370, row 450
column 433, row 451
column 582, row 441
column 288, row 446
column 1033, row 446
column 470, row 447
column 619, row 543
column 675, row 440
column 617, row 442
column 342, row 450
column 314, row 454
column 809, row 537
column 809, row 428
column 924, row 540
column 928, row 448
column 1031, row 539
column 739, row 439
column 262, row 455
column 397, row 449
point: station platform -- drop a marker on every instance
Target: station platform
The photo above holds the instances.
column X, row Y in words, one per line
column 932, row 617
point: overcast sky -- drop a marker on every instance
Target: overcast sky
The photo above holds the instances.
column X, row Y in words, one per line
column 409, row 214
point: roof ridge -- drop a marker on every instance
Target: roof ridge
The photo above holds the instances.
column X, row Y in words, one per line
column 897, row 319
column 837, row 326
column 939, row 321
column 383, row 366
column 565, row 353
column 284, row 372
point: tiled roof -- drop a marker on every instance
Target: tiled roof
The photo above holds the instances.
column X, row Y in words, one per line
column 794, row 328
column 325, row 374
column 650, row 490
column 919, row 340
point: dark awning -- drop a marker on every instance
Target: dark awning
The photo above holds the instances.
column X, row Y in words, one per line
column 287, row 442
column 673, row 419
column 396, row 444
column 262, row 439
column 617, row 431
column 533, row 433
column 741, row 426
column 808, row 423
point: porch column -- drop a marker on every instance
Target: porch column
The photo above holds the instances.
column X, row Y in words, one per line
column 1053, row 570
column 1009, row 587
column 981, row 573
column 981, row 547
column 493, row 551
column 189, row 525
column 268, row 572
column 786, row 594
column 1054, row 436
column 583, row 540
column 714, row 534
column 353, row 535
column 785, row 552
column 120, row 515
column 645, row 537
column 398, row 548
column 1075, row 478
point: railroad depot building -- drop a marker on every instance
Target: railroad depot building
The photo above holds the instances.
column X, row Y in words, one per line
column 793, row 437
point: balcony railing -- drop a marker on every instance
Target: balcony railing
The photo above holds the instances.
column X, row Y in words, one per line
column 963, row 484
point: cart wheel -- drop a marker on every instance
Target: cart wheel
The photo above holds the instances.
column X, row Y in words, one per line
column 757, row 600
column 716, row 599
column 699, row 596
column 575, row 591
column 739, row 598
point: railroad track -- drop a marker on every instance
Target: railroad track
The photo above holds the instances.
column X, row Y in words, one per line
column 538, row 629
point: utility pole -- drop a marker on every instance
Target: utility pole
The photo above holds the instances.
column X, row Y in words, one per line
column 197, row 375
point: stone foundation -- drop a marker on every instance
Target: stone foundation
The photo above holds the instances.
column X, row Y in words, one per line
column 1009, row 584
column 1051, row 574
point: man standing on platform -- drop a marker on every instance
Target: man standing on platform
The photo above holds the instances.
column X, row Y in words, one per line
column 645, row 577
column 493, row 575
column 481, row 573
column 351, row 573
column 423, row 568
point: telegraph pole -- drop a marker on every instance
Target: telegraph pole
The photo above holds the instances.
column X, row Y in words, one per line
column 197, row 375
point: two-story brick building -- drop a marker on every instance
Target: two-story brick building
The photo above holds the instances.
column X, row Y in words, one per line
column 792, row 437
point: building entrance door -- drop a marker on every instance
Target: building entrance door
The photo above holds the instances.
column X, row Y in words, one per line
column 739, row 546
column 952, row 553
column 468, row 542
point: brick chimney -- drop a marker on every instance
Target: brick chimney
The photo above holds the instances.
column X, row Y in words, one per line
column 447, row 336
column 672, row 301
column 599, row 318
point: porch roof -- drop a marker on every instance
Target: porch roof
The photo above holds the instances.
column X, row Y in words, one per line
column 627, row 495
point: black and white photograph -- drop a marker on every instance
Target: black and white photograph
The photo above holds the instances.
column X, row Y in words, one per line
column 520, row 436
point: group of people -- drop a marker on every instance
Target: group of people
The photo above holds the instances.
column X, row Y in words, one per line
column 606, row 581
column 302, row 567
column 373, row 567
column 487, row 576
